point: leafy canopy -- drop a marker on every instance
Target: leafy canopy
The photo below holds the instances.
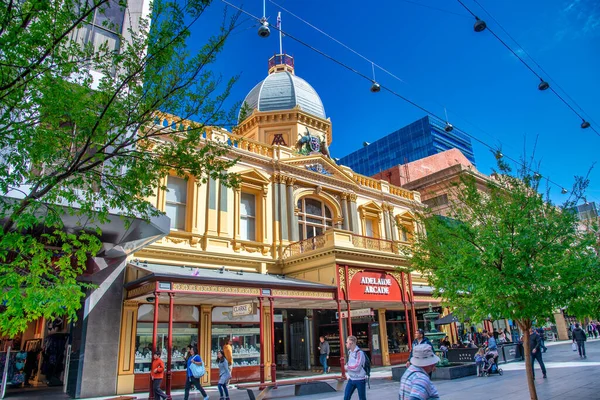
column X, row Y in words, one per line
column 78, row 103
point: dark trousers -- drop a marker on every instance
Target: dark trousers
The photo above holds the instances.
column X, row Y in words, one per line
column 352, row 385
column 223, row 391
column 537, row 356
column 158, row 393
column 323, row 360
column 191, row 381
column 581, row 348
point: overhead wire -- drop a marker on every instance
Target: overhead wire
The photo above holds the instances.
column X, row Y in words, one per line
column 529, row 67
column 389, row 90
column 555, row 83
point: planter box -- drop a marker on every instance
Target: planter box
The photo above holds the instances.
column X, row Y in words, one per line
column 455, row 372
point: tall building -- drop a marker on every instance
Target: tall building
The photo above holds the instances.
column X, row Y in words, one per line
column 420, row 139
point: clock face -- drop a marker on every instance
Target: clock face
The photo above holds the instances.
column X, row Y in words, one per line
column 314, row 143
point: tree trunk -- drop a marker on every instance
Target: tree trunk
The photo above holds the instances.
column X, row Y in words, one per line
column 525, row 325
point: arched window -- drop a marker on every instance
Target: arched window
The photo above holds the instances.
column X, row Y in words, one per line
column 314, row 217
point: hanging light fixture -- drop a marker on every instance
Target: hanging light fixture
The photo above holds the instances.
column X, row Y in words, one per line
column 537, row 175
column 263, row 30
column 375, row 87
column 499, row 155
column 564, row 191
column 585, row 124
column 448, row 127
column 480, row 25
column 543, row 85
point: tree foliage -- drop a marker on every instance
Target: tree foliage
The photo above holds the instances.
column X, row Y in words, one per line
column 78, row 134
column 506, row 251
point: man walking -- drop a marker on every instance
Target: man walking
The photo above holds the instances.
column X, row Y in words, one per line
column 415, row 383
column 420, row 338
column 579, row 338
column 540, row 332
column 324, row 353
column 356, row 373
column 536, row 351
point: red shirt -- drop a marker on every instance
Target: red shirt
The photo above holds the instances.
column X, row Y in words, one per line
column 159, row 366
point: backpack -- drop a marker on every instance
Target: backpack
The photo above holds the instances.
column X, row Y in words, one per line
column 367, row 368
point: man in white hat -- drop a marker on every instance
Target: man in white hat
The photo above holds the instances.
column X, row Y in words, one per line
column 415, row 383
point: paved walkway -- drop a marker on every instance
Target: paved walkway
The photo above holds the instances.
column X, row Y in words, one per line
column 568, row 378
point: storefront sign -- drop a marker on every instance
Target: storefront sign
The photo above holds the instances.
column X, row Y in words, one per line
column 364, row 312
column 243, row 309
column 378, row 286
column 462, row 355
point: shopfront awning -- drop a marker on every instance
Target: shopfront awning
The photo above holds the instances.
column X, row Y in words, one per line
column 227, row 286
column 445, row 320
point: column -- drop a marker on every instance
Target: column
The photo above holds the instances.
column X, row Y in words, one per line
column 273, row 356
column 345, row 222
column 211, row 218
column 237, row 198
column 223, row 221
column 311, row 336
column 405, row 300
column 292, row 217
column 412, row 305
column 154, row 335
column 170, row 345
column 386, row 222
column 383, row 338
column 283, row 210
column 307, row 341
column 204, row 339
column 262, row 340
column 354, row 213
column 276, row 211
column 342, row 342
column 393, row 226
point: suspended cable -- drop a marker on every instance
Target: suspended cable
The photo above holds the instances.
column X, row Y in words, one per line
column 585, row 124
column 405, row 99
column 535, row 62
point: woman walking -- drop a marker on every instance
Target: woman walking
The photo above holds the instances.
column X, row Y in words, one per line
column 224, row 375
column 194, row 358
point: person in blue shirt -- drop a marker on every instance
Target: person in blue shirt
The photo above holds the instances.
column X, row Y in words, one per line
column 194, row 358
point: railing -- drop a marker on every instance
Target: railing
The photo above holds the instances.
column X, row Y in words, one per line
column 396, row 191
column 303, row 246
column 368, row 182
column 371, row 243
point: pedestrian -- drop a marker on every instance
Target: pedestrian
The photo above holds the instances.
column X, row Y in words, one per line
column 590, row 330
column 415, row 383
column 157, row 374
column 420, row 338
column 194, row 358
column 596, row 329
column 356, row 373
column 224, row 375
column 540, row 332
column 536, row 352
column 479, row 360
column 492, row 346
column 579, row 338
column 228, row 353
column 324, row 353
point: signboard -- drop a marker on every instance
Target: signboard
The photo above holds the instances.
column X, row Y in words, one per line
column 243, row 309
column 462, row 355
column 376, row 286
column 363, row 312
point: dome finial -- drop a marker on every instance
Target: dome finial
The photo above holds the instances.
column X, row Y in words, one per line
column 281, row 63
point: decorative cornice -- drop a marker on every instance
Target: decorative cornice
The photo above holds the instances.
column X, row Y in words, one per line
column 141, row 290
column 198, row 288
column 302, row 294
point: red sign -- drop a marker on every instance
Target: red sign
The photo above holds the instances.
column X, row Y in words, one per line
column 377, row 286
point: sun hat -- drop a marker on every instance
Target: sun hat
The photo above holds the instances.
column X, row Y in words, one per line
column 423, row 356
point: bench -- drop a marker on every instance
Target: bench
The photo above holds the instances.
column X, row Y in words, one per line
column 266, row 387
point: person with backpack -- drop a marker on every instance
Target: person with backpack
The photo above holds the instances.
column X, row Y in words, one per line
column 357, row 370
column 415, row 383
column 580, row 338
column 193, row 378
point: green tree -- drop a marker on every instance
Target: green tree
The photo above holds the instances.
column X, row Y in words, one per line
column 78, row 133
column 505, row 251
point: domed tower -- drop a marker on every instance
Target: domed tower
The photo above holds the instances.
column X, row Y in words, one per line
column 283, row 109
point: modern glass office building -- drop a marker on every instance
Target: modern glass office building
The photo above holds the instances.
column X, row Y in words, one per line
column 420, row 139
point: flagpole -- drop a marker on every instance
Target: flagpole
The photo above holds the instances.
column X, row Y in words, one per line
column 280, row 35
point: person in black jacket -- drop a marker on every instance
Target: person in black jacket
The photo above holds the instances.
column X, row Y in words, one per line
column 580, row 338
column 536, row 351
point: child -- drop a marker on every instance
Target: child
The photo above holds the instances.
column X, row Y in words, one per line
column 224, row 375
column 480, row 360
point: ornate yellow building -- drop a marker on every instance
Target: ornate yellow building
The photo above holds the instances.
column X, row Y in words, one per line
column 301, row 246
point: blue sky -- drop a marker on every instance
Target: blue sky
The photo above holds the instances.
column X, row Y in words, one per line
column 442, row 63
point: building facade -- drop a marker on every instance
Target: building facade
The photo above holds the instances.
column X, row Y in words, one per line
column 415, row 141
column 302, row 248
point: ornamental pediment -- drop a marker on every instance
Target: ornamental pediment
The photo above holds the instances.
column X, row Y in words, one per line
column 321, row 165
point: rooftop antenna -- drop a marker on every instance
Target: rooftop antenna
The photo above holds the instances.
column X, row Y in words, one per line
column 280, row 34
column 263, row 30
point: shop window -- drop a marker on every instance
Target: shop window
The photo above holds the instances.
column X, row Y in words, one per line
column 396, row 332
column 248, row 216
column 314, row 217
column 176, row 201
column 245, row 341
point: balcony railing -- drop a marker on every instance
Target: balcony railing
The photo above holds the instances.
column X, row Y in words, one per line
column 346, row 239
